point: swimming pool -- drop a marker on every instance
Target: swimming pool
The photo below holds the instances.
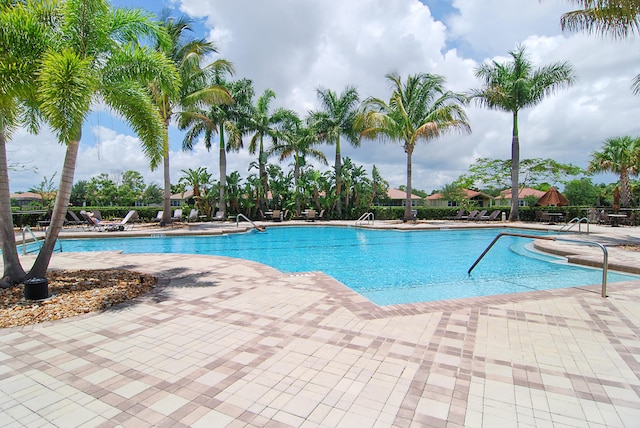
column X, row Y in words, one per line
column 386, row 266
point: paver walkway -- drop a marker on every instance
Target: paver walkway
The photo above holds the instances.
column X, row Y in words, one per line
column 226, row 342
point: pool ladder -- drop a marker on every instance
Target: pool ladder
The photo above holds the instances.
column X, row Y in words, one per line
column 605, row 258
column 368, row 216
column 35, row 239
column 576, row 220
column 258, row 228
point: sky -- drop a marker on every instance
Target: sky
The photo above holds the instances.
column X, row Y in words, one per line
column 294, row 47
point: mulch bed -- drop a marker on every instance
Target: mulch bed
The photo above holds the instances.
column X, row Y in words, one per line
column 73, row 293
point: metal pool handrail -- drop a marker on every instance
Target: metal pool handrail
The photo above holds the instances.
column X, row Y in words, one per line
column 605, row 259
column 258, row 228
column 366, row 217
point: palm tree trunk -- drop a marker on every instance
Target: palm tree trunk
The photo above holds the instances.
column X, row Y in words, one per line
column 222, row 205
column 166, row 215
column 296, row 175
column 41, row 264
column 13, row 271
column 625, row 188
column 264, row 179
column 515, row 170
column 338, row 168
column 407, row 208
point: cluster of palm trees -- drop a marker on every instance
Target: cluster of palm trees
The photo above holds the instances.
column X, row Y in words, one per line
column 58, row 57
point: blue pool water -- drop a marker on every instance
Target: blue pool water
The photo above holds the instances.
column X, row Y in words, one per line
column 386, row 266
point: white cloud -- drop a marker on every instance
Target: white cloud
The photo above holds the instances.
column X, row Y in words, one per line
column 294, row 47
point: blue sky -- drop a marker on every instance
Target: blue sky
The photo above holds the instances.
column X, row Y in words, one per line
column 294, row 47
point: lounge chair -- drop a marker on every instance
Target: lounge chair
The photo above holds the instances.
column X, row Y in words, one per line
column 458, row 216
column 471, row 215
column 97, row 214
column 491, row 217
column 158, row 217
column 75, row 220
column 193, row 215
column 102, row 226
column 219, row 216
column 321, row 215
column 311, row 215
column 604, row 218
column 478, row 216
column 177, row 215
column 277, row 215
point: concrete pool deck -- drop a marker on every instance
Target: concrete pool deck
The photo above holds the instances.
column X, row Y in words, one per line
column 228, row 342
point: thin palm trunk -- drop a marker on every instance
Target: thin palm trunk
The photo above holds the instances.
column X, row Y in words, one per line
column 166, row 215
column 264, row 179
column 407, row 208
column 338, row 179
column 39, row 268
column 296, row 179
column 222, row 206
column 13, row 271
column 515, row 170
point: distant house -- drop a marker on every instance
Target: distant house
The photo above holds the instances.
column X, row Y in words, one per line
column 25, row 198
column 398, row 198
column 481, row 199
column 180, row 199
column 504, row 200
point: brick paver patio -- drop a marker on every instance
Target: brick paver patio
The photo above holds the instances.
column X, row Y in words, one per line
column 227, row 342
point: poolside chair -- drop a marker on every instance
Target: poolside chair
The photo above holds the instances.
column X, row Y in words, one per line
column 471, row 215
column 97, row 214
column 277, row 215
column 75, row 220
column 458, row 216
column 491, row 217
column 193, row 215
column 158, row 217
column 604, row 218
column 478, row 216
column 311, row 215
column 219, row 216
column 321, row 215
column 177, row 215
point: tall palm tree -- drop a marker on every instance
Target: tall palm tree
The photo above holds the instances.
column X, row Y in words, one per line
column 263, row 124
column 420, row 109
column 620, row 155
column 513, row 86
column 229, row 121
column 298, row 142
column 98, row 55
column 616, row 18
column 336, row 118
column 187, row 55
column 25, row 32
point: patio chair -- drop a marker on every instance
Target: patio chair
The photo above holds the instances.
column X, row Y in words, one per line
column 193, row 215
column 311, row 215
column 631, row 220
column 458, row 216
column 471, row 215
column 219, row 216
column 478, row 216
column 158, row 217
column 491, row 217
column 321, row 215
column 97, row 214
column 604, row 218
column 277, row 215
column 177, row 215
column 75, row 220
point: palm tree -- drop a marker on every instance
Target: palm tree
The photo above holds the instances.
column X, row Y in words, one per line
column 229, row 121
column 335, row 119
column 97, row 55
column 25, row 35
column 617, row 18
column 514, row 86
column 620, row 155
column 419, row 109
column 187, row 55
column 264, row 124
column 199, row 179
column 297, row 142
